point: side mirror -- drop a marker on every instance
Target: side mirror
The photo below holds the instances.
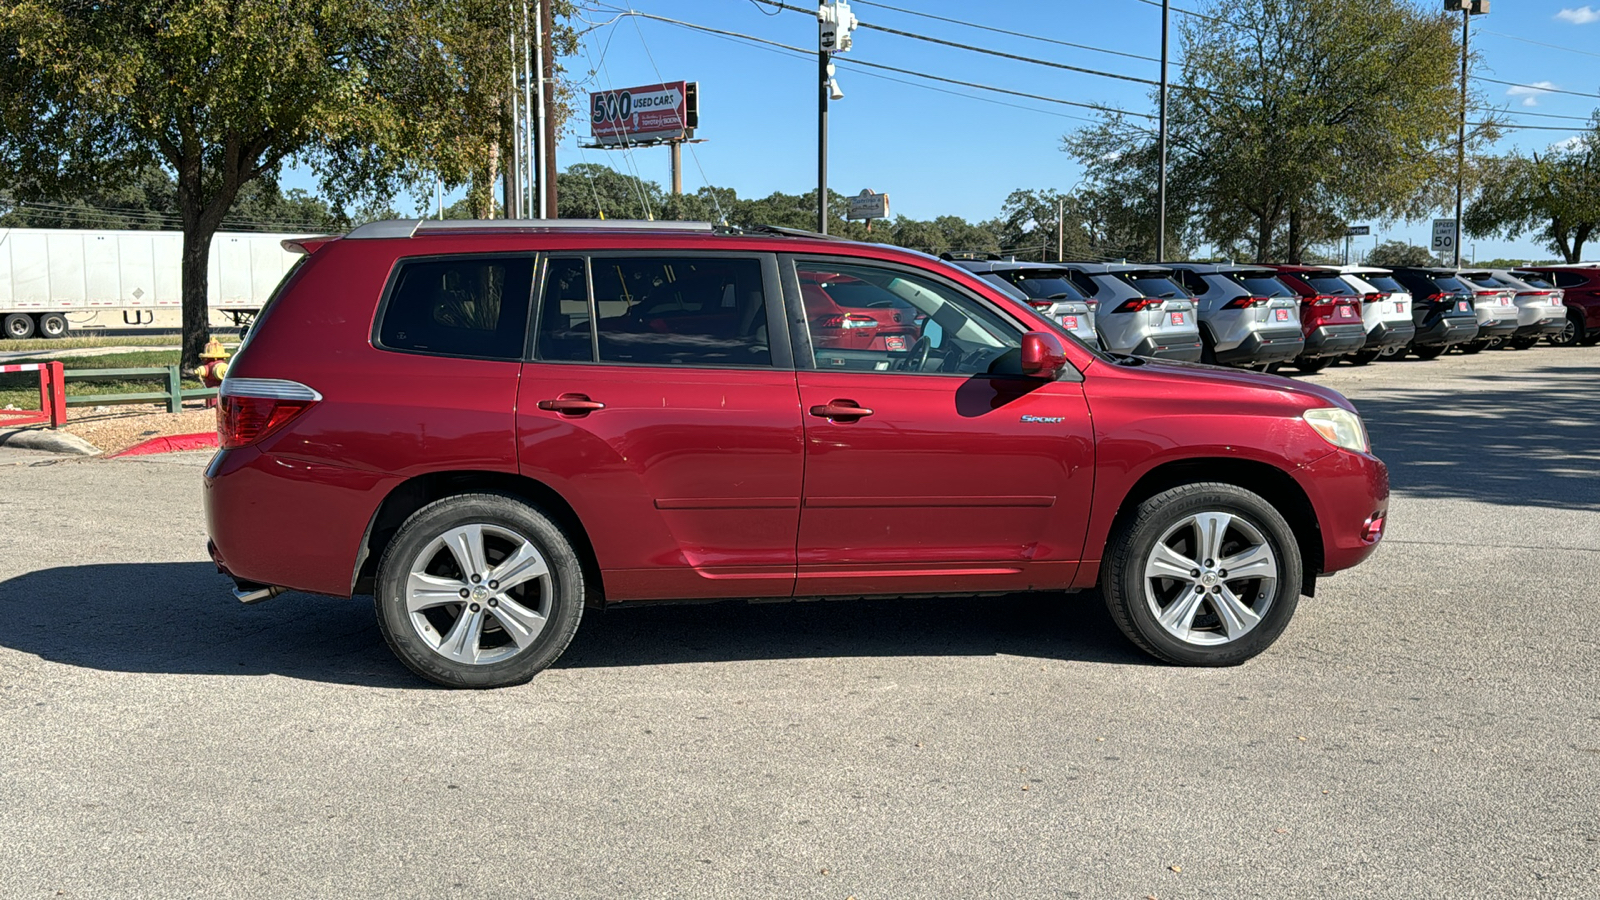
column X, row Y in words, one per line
column 1042, row 355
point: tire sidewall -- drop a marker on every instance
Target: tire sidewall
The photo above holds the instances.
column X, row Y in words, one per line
column 566, row 578
column 1124, row 582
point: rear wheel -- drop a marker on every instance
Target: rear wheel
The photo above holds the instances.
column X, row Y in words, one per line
column 1204, row 574
column 18, row 326
column 1522, row 343
column 1313, row 366
column 1429, row 351
column 479, row 590
column 1473, row 346
column 1362, row 357
column 52, row 325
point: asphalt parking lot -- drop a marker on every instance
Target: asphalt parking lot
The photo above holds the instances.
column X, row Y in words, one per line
column 1428, row 726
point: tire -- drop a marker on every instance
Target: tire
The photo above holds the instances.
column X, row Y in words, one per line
column 53, row 325
column 1429, row 351
column 544, row 609
column 18, row 326
column 1522, row 343
column 1471, row 347
column 1197, row 633
column 1313, row 366
column 1362, row 357
column 1208, row 348
column 1571, row 336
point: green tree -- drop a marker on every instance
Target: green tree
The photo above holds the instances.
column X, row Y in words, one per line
column 1401, row 253
column 372, row 94
column 1554, row 195
column 1292, row 118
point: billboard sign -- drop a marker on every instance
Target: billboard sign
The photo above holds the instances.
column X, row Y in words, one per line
column 867, row 205
column 645, row 114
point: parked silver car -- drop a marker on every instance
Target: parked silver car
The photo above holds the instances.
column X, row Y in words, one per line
column 1247, row 316
column 1047, row 288
column 1385, row 311
column 1541, row 307
column 1142, row 311
column 1496, row 306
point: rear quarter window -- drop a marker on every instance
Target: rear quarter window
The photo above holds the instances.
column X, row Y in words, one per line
column 463, row 306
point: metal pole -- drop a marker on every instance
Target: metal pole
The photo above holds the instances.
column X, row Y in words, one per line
column 1161, row 179
column 530, row 179
column 547, row 135
column 513, row 172
column 822, row 142
column 1060, row 240
column 538, row 94
column 1461, row 137
column 677, row 167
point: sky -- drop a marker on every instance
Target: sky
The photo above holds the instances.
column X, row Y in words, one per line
column 942, row 149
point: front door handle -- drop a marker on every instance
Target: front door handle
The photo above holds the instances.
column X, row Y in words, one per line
column 572, row 405
column 847, row 410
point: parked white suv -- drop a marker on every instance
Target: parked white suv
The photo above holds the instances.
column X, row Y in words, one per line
column 1385, row 311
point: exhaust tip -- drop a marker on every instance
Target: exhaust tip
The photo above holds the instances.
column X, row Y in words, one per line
column 257, row 595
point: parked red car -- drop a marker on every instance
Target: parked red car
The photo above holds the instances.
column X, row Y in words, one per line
column 1330, row 315
column 490, row 426
column 1581, row 285
column 850, row 313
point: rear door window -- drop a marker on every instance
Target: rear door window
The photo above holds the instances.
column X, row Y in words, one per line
column 461, row 306
column 1570, row 280
column 680, row 311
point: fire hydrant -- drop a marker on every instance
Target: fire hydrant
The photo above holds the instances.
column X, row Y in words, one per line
column 215, row 366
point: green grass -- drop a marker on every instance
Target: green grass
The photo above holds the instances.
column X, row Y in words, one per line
column 22, row 389
column 76, row 342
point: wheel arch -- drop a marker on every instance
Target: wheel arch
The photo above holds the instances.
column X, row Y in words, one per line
column 1271, row 483
column 416, row 492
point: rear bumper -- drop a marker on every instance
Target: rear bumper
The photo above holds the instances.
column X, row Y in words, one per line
column 1543, row 327
column 1497, row 328
column 1348, row 491
column 1335, row 340
column 1180, row 348
column 1390, row 334
column 1447, row 330
column 1260, row 348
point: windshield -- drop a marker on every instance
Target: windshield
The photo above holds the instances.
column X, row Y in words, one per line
column 1384, row 283
column 1155, row 286
column 1329, row 285
column 1263, row 285
column 1046, row 286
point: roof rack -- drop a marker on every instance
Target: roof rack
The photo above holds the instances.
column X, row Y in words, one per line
column 779, row 230
column 405, row 228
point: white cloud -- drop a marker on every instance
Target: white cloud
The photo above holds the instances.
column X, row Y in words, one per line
column 1583, row 15
column 1571, row 143
column 1530, row 93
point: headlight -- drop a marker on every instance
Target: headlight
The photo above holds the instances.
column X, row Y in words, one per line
column 1339, row 427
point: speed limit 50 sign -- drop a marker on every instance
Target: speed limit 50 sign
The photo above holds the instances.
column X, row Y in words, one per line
column 1444, row 235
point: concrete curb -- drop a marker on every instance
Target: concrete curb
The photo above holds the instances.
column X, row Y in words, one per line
column 47, row 441
column 172, row 443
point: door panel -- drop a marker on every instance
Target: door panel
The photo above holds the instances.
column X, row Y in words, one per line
column 950, row 484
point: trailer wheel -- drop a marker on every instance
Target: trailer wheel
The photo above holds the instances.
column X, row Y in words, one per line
column 52, row 325
column 19, row 326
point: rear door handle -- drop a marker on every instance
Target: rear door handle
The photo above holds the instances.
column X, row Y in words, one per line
column 848, row 410
column 572, row 405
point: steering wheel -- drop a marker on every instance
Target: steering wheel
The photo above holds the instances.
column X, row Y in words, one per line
column 918, row 357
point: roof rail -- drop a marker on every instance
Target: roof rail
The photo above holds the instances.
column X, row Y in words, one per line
column 779, row 230
column 405, row 228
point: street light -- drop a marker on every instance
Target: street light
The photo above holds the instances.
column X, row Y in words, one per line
column 834, row 24
column 1467, row 8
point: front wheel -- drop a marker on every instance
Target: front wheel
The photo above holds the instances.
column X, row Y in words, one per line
column 479, row 590
column 1204, row 574
column 1571, row 335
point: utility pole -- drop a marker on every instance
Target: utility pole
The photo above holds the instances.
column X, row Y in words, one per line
column 541, row 147
column 1468, row 9
column 677, row 167
column 1060, row 239
column 834, row 24
column 512, row 168
column 547, row 133
column 1161, row 179
column 529, row 178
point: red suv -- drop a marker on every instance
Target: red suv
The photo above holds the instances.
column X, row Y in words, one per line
column 1330, row 315
column 490, row 426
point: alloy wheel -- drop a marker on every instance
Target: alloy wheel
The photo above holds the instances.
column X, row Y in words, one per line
column 478, row 594
column 1210, row 578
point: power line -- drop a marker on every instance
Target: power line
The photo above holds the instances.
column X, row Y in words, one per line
column 861, row 62
column 1020, row 34
column 1187, row 12
column 1535, row 87
column 1512, row 127
column 1513, row 112
column 1535, row 43
column 721, row 216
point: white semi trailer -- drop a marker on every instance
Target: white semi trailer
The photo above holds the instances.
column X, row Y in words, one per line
column 53, row 281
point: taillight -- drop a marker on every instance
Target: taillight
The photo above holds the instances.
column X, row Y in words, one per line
column 1245, row 302
column 1321, row 300
column 1139, row 304
column 1374, row 298
column 851, row 320
column 249, row 409
column 1042, row 305
column 1094, row 305
column 1436, row 298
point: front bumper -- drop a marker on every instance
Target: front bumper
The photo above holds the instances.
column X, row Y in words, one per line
column 1348, row 491
column 1178, row 347
column 1334, row 340
column 1262, row 348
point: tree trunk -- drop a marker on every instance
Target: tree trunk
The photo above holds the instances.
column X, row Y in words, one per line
column 1263, row 237
column 196, row 312
column 1294, row 237
column 1579, row 237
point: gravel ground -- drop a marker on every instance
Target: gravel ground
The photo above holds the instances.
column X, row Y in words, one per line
column 118, row 428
